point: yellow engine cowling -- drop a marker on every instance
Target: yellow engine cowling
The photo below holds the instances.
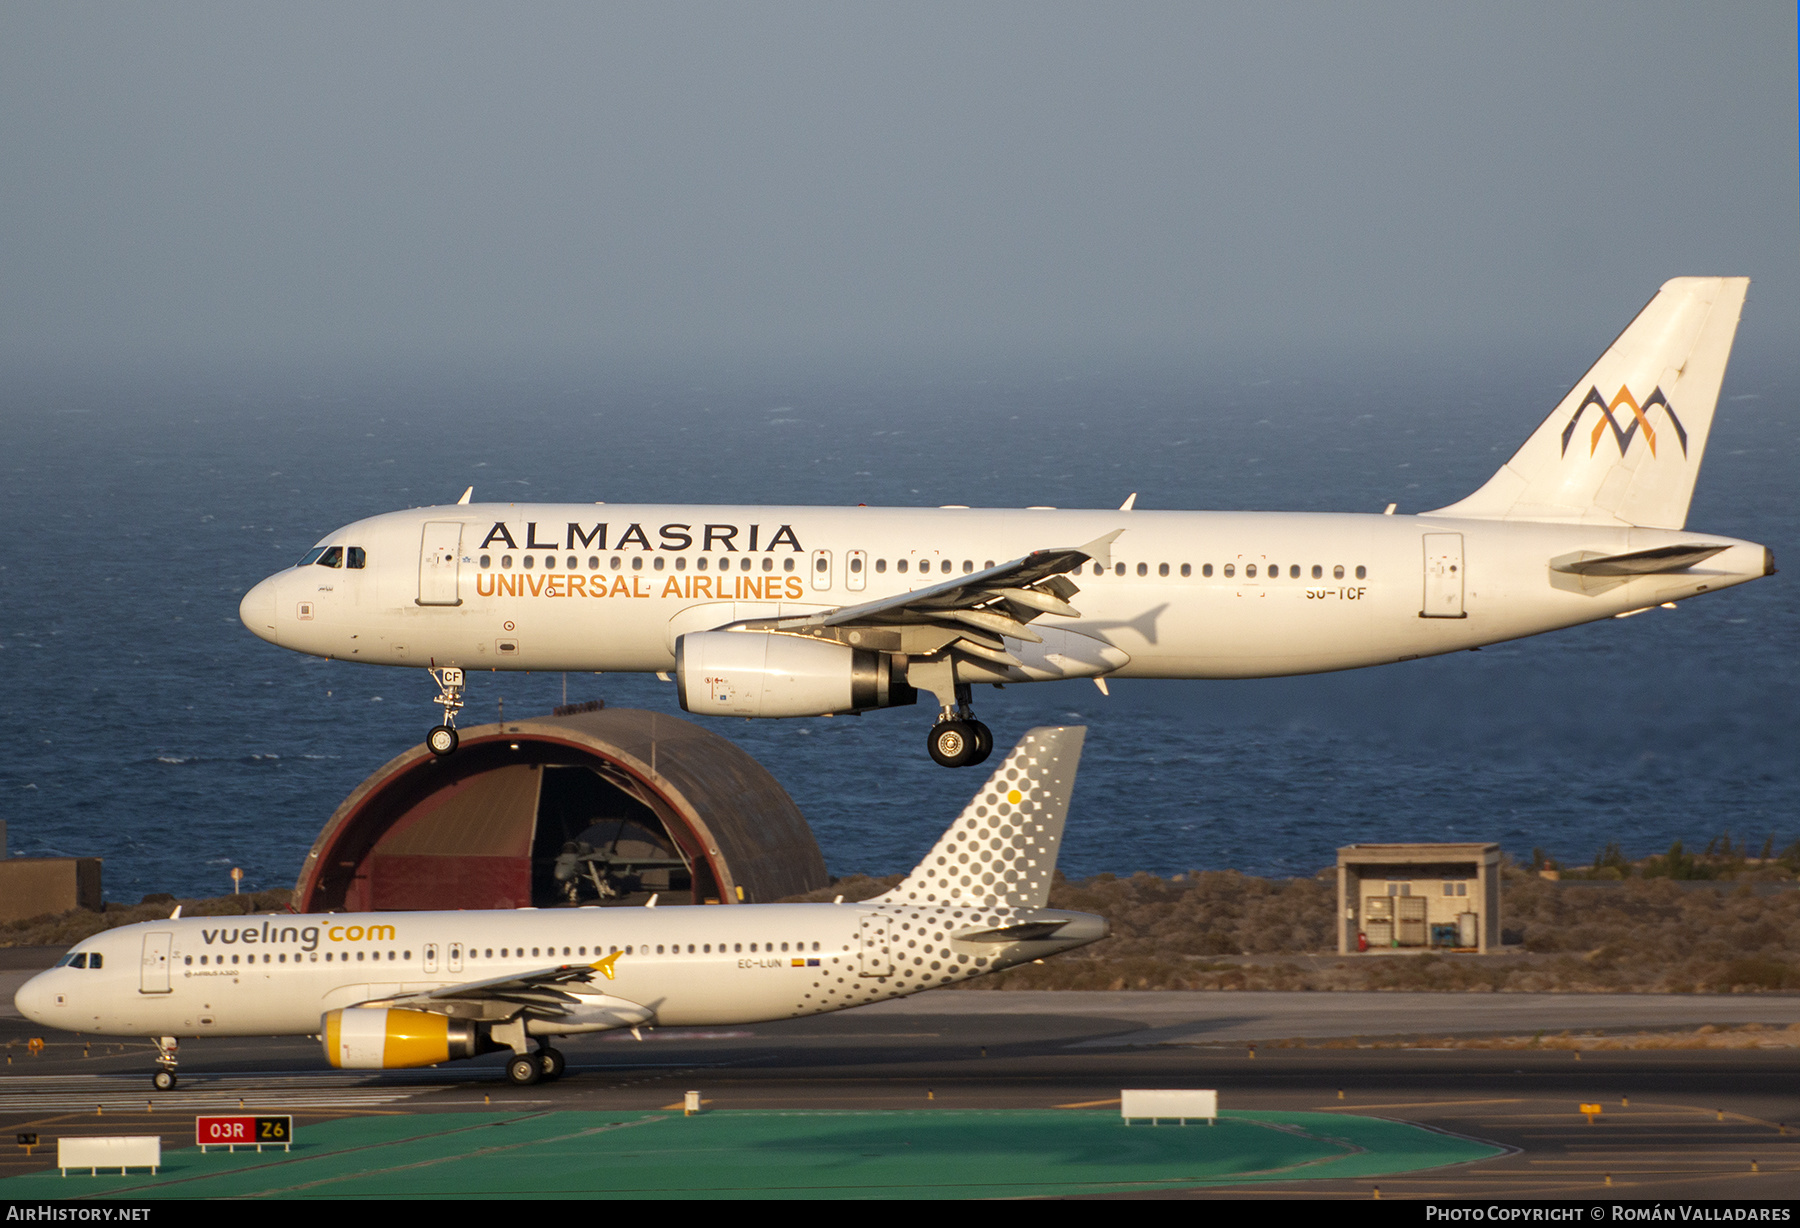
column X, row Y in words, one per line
column 382, row 1038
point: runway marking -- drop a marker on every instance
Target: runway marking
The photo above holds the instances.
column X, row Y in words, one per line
column 1416, row 1104
column 120, row 1093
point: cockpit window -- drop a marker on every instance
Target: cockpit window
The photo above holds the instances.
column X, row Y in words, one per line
column 357, row 557
column 75, row 960
column 333, row 557
column 312, row 556
column 94, row 960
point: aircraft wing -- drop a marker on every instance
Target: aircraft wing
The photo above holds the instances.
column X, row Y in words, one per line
column 972, row 613
column 561, row 990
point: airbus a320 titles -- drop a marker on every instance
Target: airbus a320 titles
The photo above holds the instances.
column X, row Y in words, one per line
column 808, row 611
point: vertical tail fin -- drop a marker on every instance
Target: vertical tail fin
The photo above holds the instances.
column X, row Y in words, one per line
column 1001, row 851
column 1624, row 446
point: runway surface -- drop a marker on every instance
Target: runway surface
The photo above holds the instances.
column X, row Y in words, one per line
column 1676, row 1123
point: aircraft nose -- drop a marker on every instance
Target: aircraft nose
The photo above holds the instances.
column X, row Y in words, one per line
column 32, row 999
column 257, row 609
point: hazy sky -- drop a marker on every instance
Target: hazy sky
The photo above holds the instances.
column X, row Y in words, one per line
column 321, row 181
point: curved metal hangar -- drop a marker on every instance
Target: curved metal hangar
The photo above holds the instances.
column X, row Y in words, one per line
column 602, row 807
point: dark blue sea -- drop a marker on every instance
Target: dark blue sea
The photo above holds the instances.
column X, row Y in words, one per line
column 144, row 724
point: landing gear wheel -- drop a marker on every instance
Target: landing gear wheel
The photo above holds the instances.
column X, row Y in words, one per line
column 524, row 1069
column 951, row 743
column 551, row 1062
column 984, row 744
column 441, row 741
column 163, row 1080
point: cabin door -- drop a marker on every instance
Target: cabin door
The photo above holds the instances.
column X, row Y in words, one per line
column 154, row 975
column 438, row 555
column 1443, row 576
column 876, row 954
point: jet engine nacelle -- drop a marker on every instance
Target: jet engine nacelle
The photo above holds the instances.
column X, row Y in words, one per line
column 762, row 673
column 383, row 1038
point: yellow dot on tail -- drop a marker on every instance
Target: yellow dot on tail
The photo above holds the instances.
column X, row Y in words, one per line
column 1014, row 797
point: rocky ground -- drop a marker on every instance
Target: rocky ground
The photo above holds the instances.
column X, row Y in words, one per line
column 1229, row 931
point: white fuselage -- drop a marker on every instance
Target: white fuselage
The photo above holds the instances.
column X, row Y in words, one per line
column 1186, row 594
column 277, row 974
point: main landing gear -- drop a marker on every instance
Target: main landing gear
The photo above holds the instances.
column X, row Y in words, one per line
column 958, row 739
column 524, row 1069
column 164, row 1078
column 442, row 739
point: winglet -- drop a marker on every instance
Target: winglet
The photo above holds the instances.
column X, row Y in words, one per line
column 465, row 496
column 176, row 915
column 605, row 966
column 1130, row 502
column 1100, row 549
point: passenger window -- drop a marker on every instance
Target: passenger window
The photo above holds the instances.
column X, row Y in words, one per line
column 787, row 564
column 572, row 562
column 333, row 557
column 1118, row 569
column 1231, row 570
column 1362, row 573
column 530, row 560
column 506, row 560
column 946, row 567
column 1099, row 569
column 988, row 566
column 681, row 563
column 1187, row 569
column 1337, row 573
column 615, row 563
column 487, row 561
column 1294, row 572
column 744, row 563
column 1206, row 569
column 657, row 562
column 880, row 565
column 702, row 562
column 768, row 563
column 637, row 562
column 900, row 565
column 1162, row 569
column 1249, row 571
column 968, row 566
column 1144, row 569
column 593, row 562
column 358, row 558
column 1318, row 571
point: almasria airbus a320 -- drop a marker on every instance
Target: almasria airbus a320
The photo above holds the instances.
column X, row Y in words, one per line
column 803, row 611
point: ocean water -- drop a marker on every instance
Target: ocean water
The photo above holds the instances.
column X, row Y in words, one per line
column 145, row 725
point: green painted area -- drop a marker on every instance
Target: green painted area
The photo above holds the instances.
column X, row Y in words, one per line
column 946, row 1153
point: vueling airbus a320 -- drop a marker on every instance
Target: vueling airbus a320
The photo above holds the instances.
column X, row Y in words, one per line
column 804, row 611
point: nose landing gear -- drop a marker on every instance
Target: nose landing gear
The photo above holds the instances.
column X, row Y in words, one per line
column 164, row 1078
column 442, row 739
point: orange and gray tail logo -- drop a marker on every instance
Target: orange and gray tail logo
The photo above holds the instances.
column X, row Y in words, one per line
column 1673, row 354
column 1639, row 417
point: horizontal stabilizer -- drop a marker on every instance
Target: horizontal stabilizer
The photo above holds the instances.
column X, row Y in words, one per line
column 1024, row 931
column 1660, row 561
